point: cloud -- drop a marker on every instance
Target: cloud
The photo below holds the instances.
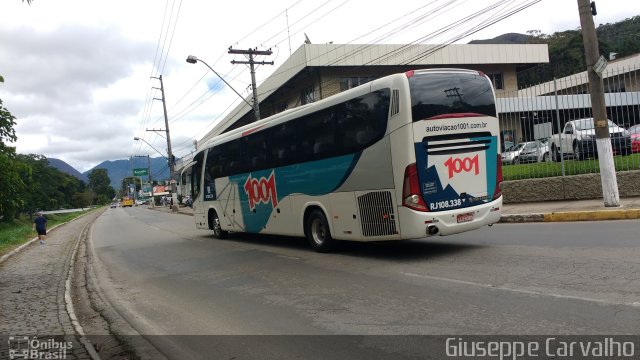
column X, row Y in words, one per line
column 66, row 63
column 54, row 85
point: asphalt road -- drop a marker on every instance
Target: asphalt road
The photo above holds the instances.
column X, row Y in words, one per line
column 166, row 277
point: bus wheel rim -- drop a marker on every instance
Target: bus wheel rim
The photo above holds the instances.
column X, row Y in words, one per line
column 318, row 231
column 216, row 225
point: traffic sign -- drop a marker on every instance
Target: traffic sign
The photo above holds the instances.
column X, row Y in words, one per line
column 140, row 172
column 600, row 65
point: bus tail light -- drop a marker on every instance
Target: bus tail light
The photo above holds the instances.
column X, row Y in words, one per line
column 409, row 73
column 498, row 191
column 411, row 196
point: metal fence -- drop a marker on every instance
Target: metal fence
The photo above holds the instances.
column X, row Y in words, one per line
column 530, row 116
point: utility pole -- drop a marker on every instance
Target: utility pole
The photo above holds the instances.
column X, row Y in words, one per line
column 252, row 62
column 599, row 110
column 171, row 159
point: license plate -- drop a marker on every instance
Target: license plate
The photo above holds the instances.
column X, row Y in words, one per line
column 464, row 217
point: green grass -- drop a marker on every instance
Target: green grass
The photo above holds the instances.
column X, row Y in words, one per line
column 18, row 231
column 571, row 167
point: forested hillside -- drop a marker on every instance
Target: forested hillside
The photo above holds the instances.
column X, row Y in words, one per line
column 566, row 50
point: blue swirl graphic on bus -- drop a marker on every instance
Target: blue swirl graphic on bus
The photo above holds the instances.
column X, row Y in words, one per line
column 258, row 188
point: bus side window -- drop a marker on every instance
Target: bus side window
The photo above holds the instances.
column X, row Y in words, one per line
column 281, row 139
column 195, row 174
column 364, row 136
column 325, row 135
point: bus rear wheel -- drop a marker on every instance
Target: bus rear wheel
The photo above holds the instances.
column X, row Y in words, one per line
column 317, row 231
column 214, row 224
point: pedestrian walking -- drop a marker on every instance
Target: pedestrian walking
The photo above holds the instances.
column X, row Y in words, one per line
column 40, row 225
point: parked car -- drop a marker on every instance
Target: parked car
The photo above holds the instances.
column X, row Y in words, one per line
column 524, row 152
column 545, row 154
column 579, row 140
column 634, row 132
column 114, row 205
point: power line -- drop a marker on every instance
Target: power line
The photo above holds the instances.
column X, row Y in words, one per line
column 173, row 32
column 418, row 20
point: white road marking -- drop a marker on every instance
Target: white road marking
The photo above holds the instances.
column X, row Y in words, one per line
column 521, row 291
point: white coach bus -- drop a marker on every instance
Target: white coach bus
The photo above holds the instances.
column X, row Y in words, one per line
column 402, row 157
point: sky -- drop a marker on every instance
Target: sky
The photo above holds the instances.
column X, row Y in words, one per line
column 78, row 73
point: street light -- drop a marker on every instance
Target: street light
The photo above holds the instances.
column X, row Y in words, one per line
column 145, row 141
column 192, row 59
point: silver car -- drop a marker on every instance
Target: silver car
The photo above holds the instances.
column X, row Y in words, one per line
column 525, row 152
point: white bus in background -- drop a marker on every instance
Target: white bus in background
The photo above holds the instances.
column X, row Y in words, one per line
column 402, row 157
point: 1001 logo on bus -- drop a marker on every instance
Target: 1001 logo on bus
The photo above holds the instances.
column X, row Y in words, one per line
column 261, row 190
column 458, row 165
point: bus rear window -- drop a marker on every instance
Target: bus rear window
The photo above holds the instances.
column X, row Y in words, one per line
column 436, row 95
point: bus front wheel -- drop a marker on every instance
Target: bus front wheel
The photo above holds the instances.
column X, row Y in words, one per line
column 214, row 224
column 317, row 231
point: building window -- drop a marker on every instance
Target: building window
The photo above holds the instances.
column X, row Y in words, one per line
column 351, row 82
column 307, row 95
column 497, row 81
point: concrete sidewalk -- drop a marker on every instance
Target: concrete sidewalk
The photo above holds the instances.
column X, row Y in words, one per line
column 34, row 294
column 550, row 211
column 573, row 210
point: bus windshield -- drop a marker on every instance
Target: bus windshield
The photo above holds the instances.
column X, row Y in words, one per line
column 437, row 95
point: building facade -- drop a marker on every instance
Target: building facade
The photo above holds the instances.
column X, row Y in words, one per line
column 317, row 71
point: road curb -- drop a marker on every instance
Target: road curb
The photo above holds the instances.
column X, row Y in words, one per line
column 596, row 215
column 564, row 216
column 521, row 218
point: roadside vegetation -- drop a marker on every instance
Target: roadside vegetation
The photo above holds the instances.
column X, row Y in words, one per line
column 18, row 231
column 571, row 167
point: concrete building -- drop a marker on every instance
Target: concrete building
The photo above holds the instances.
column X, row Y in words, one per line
column 317, row 71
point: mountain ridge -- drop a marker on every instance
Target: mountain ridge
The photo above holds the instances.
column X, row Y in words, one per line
column 120, row 169
column 116, row 169
column 62, row 166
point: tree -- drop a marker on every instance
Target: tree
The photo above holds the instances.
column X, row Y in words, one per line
column 11, row 186
column 126, row 183
column 7, row 132
column 566, row 49
column 100, row 184
column 82, row 199
column 46, row 187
